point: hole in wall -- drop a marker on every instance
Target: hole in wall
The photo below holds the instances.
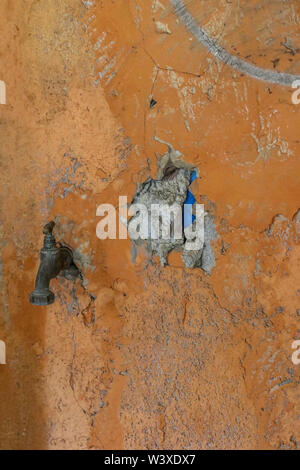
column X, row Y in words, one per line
column 172, row 186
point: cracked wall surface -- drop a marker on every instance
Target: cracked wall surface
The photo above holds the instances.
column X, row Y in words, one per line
column 135, row 355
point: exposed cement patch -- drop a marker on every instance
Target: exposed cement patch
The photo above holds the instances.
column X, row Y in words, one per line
column 171, row 187
column 205, row 258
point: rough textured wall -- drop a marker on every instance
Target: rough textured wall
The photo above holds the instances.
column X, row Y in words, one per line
column 138, row 355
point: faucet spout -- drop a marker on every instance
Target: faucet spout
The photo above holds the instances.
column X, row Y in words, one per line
column 55, row 259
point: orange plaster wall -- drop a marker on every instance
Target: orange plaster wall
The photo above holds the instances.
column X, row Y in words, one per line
column 139, row 356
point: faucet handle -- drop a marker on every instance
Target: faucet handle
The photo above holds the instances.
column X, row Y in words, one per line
column 48, row 228
column 49, row 240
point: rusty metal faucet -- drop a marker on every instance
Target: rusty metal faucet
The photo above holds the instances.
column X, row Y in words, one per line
column 55, row 259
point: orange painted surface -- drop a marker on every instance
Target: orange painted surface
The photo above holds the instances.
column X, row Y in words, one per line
column 163, row 358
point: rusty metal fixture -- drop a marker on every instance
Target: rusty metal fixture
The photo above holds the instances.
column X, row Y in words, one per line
column 55, row 259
